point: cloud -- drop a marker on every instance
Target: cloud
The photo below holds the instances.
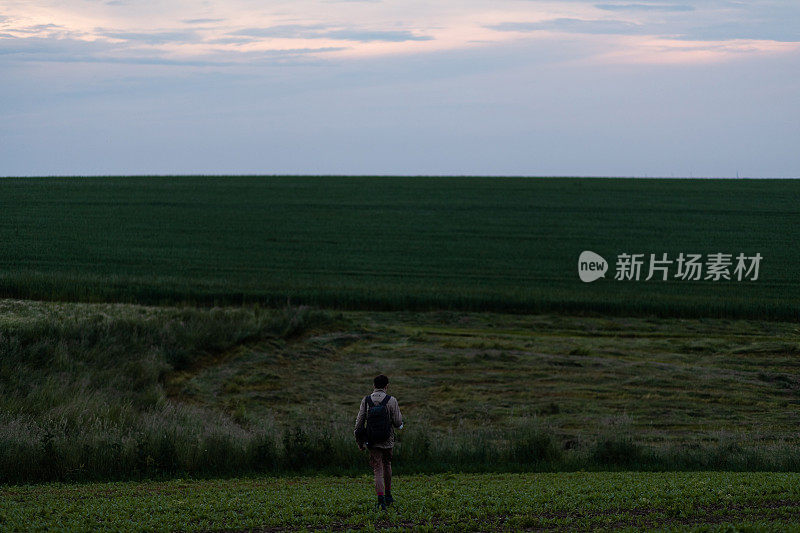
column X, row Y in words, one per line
column 728, row 21
column 159, row 37
column 41, row 47
column 39, row 28
column 737, row 30
column 284, row 31
column 317, row 31
column 645, row 7
column 201, row 21
column 69, row 50
column 369, row 36
column 571, row 25
column 232, row 40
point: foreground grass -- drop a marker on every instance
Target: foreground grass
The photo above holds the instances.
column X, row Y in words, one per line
column 456, row 502
column 502, row 244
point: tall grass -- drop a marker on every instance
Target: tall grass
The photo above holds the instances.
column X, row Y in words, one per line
column 82, row 396
column 185, row 442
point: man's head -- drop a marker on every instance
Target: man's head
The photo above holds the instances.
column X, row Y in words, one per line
column 380, row 382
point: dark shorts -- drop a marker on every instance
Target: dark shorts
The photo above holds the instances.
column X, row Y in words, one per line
column 380, row 457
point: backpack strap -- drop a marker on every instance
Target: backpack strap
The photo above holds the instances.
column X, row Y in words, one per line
column 369, row 401
column 385, row 400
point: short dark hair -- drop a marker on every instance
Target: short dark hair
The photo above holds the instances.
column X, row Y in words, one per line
column 380, row 382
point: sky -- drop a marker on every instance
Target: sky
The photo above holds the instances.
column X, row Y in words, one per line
column 643, row 88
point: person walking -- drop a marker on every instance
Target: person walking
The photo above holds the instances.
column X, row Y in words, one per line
column 377, row 417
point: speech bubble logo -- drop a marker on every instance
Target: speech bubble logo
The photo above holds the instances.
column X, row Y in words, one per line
column 591, row 266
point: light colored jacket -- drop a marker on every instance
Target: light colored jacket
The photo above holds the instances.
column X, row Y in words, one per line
column 394, row 413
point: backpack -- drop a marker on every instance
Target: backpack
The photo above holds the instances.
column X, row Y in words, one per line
column 379, row 423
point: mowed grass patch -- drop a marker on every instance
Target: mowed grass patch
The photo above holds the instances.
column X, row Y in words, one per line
column 707, row 501
column 670, row 380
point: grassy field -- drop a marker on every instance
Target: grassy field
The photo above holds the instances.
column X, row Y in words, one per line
column 396, row 243
column 579, row 501
column 532, row 401
column 660, row 379
column 118, row 391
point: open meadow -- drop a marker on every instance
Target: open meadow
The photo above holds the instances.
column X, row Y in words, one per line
column 114, row 391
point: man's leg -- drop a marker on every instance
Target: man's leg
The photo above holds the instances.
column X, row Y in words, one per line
column 387, row 475
column 376, row 461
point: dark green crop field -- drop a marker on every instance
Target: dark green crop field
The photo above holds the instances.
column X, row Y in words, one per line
column 503, row 244
column 578, row 501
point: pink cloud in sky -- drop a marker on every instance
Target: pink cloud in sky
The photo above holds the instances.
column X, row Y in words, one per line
column 235, row 31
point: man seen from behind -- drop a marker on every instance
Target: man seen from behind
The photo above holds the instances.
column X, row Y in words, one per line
column 377, row 417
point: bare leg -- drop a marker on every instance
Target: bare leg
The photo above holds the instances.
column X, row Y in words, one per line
column 387, row 472
column 376, row 461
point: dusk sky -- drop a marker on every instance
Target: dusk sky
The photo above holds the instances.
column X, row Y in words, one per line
column 501, row 87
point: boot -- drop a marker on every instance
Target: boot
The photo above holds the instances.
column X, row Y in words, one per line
column 381, row 503
column 388, row 498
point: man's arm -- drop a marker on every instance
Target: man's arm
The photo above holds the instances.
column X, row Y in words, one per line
column 362, row 413
column 394, row 408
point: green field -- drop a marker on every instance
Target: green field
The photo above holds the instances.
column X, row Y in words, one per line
column 502, row 244
column 158, row 335
column 579, row 501
column 119, row 391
